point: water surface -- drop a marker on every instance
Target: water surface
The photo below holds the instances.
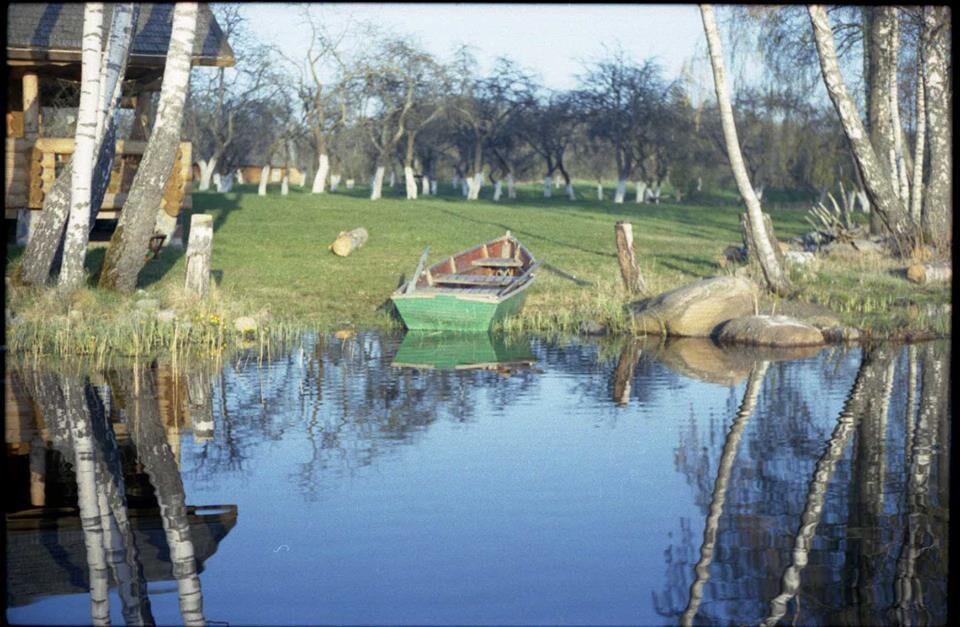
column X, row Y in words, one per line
column 574, row 483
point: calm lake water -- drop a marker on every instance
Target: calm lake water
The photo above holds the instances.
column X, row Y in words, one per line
column 378, row 479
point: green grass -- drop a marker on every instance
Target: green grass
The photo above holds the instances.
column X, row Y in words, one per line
column 271, row 261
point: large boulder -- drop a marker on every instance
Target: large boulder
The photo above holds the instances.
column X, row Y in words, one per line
column 694, row 310
column 769, row 331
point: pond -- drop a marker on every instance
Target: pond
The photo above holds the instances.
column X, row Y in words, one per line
column 380, row 479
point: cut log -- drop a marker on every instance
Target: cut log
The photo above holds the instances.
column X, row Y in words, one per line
column 941, row 272
column 628, row 264
column 199, row 250
column 348, row 241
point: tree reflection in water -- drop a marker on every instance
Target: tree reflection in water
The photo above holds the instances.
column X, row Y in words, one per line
column 871, row 545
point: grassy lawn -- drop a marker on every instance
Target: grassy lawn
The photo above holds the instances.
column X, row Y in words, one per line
column 270, row 259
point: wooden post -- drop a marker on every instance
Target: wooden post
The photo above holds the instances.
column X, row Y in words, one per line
column 348, row 241
column 629, row 270
column 31, row 105
column 199, row 250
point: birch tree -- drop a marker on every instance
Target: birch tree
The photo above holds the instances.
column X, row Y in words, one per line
column 881, row 188
column 761, row 248
column 95, row 143
column 937, row 213
column 125, row 256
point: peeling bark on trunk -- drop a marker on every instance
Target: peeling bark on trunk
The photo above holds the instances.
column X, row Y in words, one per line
column 937, row 214
column 776, row 279
column 125, row 256
column 376, row 187
column 320, row 180
column 883, row 197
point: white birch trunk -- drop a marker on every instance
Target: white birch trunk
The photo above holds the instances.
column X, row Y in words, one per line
column 433, row 188
column 334, row 182
column 571, row 193
column 376, row 187
column 762, row 247
column 916, row 196
column 425, row 185
column 899, row 172
column 78, row 221
column 240, row 176
column 410, row 183
column 206, row 172
column 320, row 180
column 864, row 200
column 621, row 192
column 497, row 191
column 758, row 190
column 546, row 187
column 285, row 184
column 264, row 179
column 511, row 192
column 641, row 191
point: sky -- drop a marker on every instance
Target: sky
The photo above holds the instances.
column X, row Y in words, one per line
column 551, row 39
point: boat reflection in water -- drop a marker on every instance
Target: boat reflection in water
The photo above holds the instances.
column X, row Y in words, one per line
column 463, row 351
column 94, row 495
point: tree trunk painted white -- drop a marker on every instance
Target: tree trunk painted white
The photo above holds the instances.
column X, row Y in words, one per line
column 655, row 192
column 265, row 172
column 571, row 193
column 409, row 182
column 621, row 192
column 78, row 221
column 455, row 182
column 546, row 187
column 916, row 193
column 511, row 192
column 497, row 190
column 774, row 275
column 199, row 251
column 556, row 181
column 334, row 182
column 351, row 183
column 225, row 183
column 433, row 187
column 239, row 176
column 699, row 183
column 425, row 185
column 320, row 180
column 882, row 190
column 599, row 191
column 641, row 188
column 216, row 180
column 207, row 167
column 285, row 184
column 393, row 178
column 474, row 185
column 376, row 187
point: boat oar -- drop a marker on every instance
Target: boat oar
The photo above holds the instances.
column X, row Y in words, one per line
column 566, row 275
column 411, row 284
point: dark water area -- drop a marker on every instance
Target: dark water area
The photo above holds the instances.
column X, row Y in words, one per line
column 376, row 479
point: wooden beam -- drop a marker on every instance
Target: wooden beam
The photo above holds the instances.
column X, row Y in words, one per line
column 31, row 105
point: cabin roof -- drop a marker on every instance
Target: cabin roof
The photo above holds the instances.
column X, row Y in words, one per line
column 51, row 32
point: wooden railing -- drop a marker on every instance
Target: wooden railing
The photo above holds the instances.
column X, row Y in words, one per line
column 31, row 167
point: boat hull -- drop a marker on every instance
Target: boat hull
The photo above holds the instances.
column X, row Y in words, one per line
column 453, row 312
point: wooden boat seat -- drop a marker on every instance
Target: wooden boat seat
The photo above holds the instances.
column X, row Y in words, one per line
column 497, row 262
column 473, row 279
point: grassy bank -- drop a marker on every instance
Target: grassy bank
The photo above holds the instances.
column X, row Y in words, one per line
column 270, row 262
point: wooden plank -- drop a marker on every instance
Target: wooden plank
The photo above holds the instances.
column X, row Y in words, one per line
column 497, row 262
column 474, row 279
column 31, row 104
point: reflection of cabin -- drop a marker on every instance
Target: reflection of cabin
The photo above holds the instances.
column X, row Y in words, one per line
column 43, row 71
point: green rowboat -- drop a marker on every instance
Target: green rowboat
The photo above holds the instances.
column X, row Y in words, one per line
column 468, row 291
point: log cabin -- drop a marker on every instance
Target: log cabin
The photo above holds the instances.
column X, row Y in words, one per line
column 43, row 77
